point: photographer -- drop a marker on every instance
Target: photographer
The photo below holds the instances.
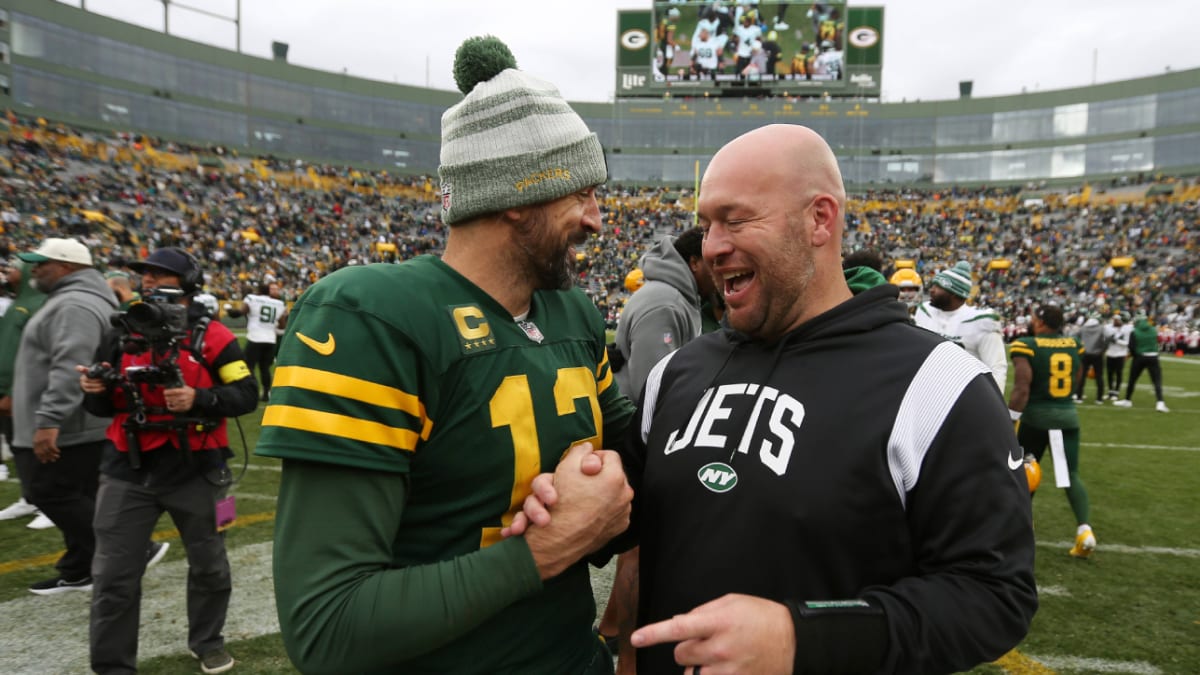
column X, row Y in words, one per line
column 168, row 376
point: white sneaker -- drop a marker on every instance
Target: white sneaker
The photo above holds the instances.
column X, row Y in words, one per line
column 1161, row 407
column 156, row 552
column 3, row 472
column 41, row 522
column 779, row 25
column 18, row 509
column 1123, row 403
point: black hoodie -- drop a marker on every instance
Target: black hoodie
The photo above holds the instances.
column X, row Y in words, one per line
column 858, row 457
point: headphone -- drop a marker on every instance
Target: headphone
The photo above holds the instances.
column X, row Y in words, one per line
column 192, row 281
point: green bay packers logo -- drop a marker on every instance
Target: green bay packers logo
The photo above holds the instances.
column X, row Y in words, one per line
column 635, row 39
column 864, row 37
column 717, row 476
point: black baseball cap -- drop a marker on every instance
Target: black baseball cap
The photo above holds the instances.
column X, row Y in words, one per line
column 170, row 259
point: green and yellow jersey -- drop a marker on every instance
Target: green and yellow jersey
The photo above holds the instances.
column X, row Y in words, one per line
column 1055, row 360
column 412, row 369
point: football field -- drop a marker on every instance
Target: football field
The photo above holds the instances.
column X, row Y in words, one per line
column 1134, row 607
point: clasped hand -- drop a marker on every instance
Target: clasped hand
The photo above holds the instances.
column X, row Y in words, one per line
column 590, row 500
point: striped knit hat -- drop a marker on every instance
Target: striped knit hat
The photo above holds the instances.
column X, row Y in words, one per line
column 512, row 141
column 957, row 279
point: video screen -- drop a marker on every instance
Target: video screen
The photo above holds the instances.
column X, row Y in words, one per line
column 785, row 43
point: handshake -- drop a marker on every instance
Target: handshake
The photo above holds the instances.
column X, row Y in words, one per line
column 574, row 511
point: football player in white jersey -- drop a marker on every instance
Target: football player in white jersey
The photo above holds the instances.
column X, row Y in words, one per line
column 265, row 312
column 209, row 301
column 706, row 53
column 976, row 329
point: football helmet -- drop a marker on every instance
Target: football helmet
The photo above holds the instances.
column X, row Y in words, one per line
column 634, row 280
column 910, row 286
column 1033, row 473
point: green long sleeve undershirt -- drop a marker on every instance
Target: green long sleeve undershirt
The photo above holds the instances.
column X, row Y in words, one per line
column 342, row 608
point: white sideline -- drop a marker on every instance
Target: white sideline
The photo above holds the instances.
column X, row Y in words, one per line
column 1088, row 665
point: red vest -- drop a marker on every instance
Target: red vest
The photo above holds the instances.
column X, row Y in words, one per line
column 195, row 375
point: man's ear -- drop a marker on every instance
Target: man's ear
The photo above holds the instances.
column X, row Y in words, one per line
column 826, row 219
column 515, row 215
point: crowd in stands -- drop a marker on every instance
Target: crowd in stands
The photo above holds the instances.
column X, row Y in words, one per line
column 256, row 220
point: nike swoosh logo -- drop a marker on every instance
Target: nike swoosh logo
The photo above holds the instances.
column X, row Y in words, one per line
column 323, row 348
column 1013, row 464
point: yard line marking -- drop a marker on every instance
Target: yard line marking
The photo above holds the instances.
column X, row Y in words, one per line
column 1135, row 550
column 1057, row 591
column 265, row 467
column 251, row 495
column 22, row 564
column 1091, row 665
column 1182, row 448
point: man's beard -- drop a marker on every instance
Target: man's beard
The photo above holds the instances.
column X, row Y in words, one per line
column 547, row 261
column 42, row 286
column 941, row 302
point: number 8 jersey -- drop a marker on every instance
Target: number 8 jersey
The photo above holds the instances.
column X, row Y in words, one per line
column 1054, row 360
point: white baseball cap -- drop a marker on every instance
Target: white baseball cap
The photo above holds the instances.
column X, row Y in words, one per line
column 62, row 250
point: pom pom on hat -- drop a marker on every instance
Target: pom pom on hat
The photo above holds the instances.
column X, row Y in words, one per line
column 479, row 59
column 957, row 279
column 512, row 141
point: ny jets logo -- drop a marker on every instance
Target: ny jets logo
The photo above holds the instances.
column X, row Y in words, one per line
column 717, row 476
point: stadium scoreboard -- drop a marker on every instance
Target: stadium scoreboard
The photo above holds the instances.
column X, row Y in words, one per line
column 707, row 48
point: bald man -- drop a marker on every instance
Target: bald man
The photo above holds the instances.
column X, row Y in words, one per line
column 821, row 487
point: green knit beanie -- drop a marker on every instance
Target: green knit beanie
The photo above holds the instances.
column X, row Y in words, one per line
column 512, row 141
column 957, row 279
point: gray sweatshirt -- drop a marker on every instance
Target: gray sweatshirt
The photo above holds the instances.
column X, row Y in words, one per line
column 662, row 316
column 1091, row 334
column 63, row 334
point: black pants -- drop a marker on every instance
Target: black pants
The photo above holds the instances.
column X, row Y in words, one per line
column 1149, row 363
column 126, row 514
column 261, row 355
column 6, row 428
column 1115, row 367
column 1096, row 363
column 65, row 491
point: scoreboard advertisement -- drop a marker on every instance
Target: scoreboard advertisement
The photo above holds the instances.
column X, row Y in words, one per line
column 745, row 49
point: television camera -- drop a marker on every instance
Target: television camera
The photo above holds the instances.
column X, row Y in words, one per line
column 158, row 324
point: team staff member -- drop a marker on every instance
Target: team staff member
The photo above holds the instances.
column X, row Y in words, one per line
column 177, row 467
column 56, row 443
column 1143, row 344
column 822, row 487
column 415, row 402
column 1046, row 368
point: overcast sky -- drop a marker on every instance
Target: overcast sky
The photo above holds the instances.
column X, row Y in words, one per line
column 1005, row 46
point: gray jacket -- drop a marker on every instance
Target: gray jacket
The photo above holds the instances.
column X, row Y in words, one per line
column 63, row 334
column 662, row 316
column 1093, row 337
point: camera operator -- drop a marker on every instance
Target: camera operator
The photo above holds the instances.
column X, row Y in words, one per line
column 168, row 376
